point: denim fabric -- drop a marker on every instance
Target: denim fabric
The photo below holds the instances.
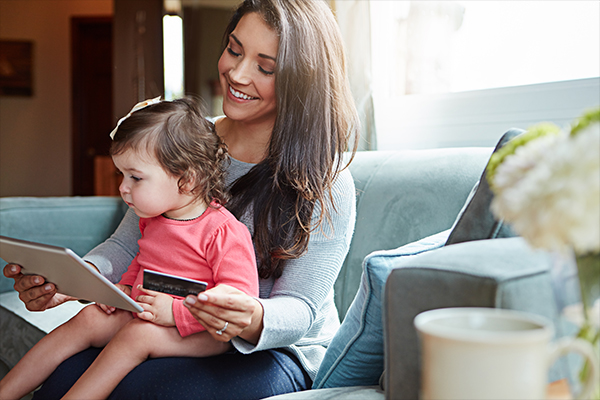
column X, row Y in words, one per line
column 232, row 376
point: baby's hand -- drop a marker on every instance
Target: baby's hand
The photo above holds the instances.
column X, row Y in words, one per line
column 124, row 288
column 109, row 309
column 158, row 307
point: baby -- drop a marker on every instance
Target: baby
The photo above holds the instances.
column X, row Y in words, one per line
column 171, row 160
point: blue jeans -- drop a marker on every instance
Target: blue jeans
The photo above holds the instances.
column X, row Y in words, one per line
column 228, row 376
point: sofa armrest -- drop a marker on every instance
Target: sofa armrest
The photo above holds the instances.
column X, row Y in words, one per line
column 79, row 223
column 501, row 273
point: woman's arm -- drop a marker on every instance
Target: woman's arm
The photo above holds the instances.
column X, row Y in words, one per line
column 113, row 256
column 294, row 310
column 295, row 307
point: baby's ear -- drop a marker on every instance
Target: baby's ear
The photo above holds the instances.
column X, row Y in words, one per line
column 187, row 182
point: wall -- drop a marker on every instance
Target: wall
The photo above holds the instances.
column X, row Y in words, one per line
column 203, row 36
column 35, row 132
column 137, row 52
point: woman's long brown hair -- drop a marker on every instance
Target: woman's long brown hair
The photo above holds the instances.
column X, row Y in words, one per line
column 316, row 118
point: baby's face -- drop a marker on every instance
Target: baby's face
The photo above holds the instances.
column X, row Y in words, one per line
column 146, row 187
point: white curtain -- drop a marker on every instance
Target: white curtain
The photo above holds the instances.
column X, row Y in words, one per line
column 354, row 19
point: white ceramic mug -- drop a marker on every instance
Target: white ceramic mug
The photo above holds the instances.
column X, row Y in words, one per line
column 489, row 353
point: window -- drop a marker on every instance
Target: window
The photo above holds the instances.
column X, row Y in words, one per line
column 173, row 56
column 456, row 73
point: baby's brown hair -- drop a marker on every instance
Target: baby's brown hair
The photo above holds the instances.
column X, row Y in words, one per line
column 183, row 141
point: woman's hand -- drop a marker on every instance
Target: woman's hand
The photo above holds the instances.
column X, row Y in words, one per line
column 225, row 304
column 34, row 291
column 158, row 307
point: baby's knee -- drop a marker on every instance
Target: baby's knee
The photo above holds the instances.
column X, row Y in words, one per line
column 88, row 317
column 138, row 328
column 136, row 336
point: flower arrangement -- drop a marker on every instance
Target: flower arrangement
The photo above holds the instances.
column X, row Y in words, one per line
column 546, row 184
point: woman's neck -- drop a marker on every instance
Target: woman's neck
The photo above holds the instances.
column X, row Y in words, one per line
column 245, row 142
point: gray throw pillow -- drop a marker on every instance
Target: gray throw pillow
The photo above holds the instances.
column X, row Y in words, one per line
column 476, row 221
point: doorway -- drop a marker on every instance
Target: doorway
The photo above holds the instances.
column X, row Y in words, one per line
column 92, row 63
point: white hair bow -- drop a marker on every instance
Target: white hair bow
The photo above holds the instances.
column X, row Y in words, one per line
column 137, row 107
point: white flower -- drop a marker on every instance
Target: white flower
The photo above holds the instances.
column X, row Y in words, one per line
column 514, row 168
column 574, row 313
column 549, row 191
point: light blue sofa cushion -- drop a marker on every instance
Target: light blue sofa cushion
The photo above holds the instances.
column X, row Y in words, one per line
column 355, row 355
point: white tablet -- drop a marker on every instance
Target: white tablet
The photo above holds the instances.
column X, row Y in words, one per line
column 71, row 275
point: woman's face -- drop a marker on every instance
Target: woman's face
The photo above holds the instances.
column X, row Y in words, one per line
column 246, row 71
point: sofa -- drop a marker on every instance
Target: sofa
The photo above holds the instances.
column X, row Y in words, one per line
column 424, row 239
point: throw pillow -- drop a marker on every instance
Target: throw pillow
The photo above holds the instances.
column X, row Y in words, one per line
column 476, row 221
column 355, row 355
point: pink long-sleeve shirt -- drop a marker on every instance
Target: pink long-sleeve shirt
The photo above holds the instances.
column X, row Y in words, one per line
column 215, row 248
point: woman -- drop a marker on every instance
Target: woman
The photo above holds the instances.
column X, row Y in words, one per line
column 288, row 119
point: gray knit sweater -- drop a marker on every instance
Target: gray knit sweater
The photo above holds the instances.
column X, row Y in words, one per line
column 299, row 311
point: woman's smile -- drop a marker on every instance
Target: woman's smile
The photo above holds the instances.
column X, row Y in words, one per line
column 240, row 95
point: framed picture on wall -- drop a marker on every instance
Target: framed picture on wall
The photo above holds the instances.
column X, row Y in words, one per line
column 16, row 68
